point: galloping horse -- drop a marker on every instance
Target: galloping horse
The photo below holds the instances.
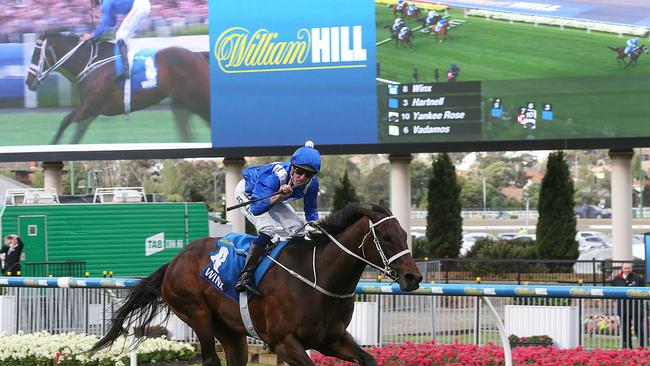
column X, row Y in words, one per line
column 399, row 12
column 404, row 38
column 440, row 31
column 294, row 313
column 634, row 57
column 182, row 75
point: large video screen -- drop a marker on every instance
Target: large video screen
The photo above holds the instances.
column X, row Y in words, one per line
column 462, row 77
column 384, row 76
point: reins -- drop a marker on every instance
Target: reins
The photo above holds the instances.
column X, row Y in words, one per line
column 91, row 64
column 387, row 261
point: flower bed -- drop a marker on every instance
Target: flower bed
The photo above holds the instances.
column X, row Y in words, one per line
column 431, row 353
column 67, row 349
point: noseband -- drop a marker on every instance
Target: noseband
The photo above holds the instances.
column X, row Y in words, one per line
column 386, row 261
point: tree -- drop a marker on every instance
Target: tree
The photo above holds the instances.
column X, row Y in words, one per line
column 420, row 173
column 344, row 193
column 444, row 222
column 556, row 226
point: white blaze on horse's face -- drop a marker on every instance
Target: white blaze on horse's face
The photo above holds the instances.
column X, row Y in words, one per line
column 35, row 69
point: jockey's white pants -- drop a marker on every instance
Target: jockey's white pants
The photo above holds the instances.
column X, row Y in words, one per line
column 132, row 20
column 280, row 214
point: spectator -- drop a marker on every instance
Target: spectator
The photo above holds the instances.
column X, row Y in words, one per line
column 631, row 312
column 11, row 251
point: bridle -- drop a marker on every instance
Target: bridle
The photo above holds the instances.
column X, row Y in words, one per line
column 38, row 69
column 390, row 272
column 43, row 68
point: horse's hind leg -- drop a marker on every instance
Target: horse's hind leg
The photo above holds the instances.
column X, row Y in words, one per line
column 182, row 120
column 292, row 352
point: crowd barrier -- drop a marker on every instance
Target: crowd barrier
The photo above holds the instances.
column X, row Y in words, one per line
column 590, row 316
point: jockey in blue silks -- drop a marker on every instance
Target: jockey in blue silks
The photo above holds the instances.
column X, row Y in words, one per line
column 412, row 9
column 134, row 12
column 441, row 24
column 402, row 33
column 631, row 45
column 430, row 17
column 397, row 25
column 295, row 180
column 400, row 4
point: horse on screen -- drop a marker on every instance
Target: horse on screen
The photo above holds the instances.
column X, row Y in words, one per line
column 156, row 74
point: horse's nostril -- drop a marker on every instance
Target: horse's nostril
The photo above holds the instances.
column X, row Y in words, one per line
column 413, row 278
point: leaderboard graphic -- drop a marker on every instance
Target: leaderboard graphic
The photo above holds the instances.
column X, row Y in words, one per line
column 431, row 111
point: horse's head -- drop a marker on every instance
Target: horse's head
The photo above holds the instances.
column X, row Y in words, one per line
column 386, row 246
column 48, row 51
column 41, row 60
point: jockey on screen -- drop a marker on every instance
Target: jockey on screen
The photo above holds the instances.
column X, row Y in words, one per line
column 403, row 33
column 401, row 4
column 296, row 179
column 412, row 8
column 134, row 12
column 397, row 25
column 441, row 24
column 431, row 17
column 631, row 45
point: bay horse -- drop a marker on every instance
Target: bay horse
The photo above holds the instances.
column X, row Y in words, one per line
column 400, row 12
column 634, row 57
column 406, row 39
column 182, row 75
column 294, row 314
column 441, row 33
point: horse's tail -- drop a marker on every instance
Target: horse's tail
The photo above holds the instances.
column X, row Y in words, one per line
column 139, row 309
column 613, row 48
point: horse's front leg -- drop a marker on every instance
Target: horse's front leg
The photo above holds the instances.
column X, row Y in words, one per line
column 292, row 352
column 346, row 348
column 67, row 120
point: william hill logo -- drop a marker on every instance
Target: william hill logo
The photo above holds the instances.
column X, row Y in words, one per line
column 239, row 50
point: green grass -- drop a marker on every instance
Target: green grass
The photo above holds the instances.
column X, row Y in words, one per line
column 592, row 96
column 146, row 126
column 498, row 50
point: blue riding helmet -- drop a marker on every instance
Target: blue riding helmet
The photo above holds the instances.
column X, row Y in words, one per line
column 307, row 158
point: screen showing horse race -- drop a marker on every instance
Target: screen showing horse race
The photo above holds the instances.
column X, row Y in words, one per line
column 172, row 79
column 458, row 76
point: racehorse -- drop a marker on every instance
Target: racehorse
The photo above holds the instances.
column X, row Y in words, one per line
column 182, row 75
column 405, row 39
column 441, row 34
column 634, row 57
column 401, row 12
column 294, row 313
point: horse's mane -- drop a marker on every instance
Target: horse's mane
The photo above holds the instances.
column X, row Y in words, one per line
column 337, row 221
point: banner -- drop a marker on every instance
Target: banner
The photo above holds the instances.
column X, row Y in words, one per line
column 283, row 73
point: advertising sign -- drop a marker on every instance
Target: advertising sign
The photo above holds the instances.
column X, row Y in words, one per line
column 280, row 82
column 384, row 76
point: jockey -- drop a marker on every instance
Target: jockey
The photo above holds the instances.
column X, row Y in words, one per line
column 412, row 8
column 397, row 25
column 134, row 12
column 631, row 45
column 430, row 17
column 403, row 32
column 441, row 24
column 296, row 179
column 401, row 4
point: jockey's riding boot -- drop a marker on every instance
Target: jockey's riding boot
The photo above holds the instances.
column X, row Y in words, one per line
column 125, row 61
column 246, row 281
